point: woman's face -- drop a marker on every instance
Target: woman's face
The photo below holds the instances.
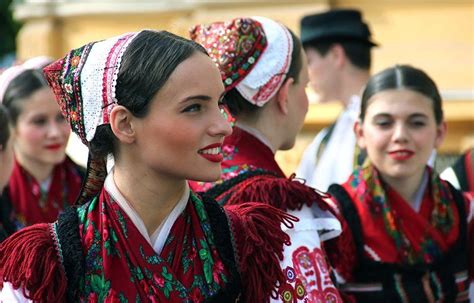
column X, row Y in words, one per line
column 399, row 132
column 6, row 163
column 182, row 135
column 297, row 105
column 41, row 132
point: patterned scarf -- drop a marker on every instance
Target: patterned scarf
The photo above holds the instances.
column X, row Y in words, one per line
column 388, row 218
column 121, row 265
column 34, row 205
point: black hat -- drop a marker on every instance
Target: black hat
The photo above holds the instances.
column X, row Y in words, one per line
column 339, row 24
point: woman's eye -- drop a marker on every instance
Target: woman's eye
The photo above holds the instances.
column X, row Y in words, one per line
column 383, row 123
column 39, row 121
column 418, row 123
column 60, row 118
column 192, row 108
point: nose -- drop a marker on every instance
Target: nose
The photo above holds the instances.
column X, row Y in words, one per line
column 55, row 129
column 400, row 134
column 221, row 124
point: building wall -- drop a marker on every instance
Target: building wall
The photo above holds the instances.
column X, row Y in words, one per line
column 435, row 35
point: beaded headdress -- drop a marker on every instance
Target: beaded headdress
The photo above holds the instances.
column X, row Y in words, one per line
column 253, row 54
column 84, row 84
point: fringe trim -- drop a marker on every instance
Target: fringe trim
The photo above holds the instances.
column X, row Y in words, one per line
column 29, row 260
column 259, row 240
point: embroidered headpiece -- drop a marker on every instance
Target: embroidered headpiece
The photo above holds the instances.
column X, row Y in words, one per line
column 84, row 84
column 253, row 54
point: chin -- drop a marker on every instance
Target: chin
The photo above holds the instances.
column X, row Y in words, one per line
column 287, row 145
column 210, row 176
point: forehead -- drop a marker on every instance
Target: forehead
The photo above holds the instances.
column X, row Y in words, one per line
column 197, row 75
column 41, row 101
column 400, row 102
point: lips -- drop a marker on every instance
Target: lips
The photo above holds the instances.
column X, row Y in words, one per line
column 53, row 146
column 212, row 152
column 401, row 154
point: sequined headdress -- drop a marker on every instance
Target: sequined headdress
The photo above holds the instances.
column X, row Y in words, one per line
column 253, row 54
column 84, row 84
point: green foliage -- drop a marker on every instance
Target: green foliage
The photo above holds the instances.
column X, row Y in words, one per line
column 8, row 28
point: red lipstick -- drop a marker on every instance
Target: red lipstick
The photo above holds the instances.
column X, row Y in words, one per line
column 53, row 146
column 401, row 154
column 212, row 152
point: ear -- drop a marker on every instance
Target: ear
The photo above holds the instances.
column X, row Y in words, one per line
column 120, row 122
column 339, row 55
column 440, row 134
column 282, row 95
column 359, row 133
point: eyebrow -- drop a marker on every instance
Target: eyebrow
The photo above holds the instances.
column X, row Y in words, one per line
column 414, row 115
column 202, row 97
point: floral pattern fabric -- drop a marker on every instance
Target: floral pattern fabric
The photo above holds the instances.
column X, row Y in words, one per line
column 121, row 266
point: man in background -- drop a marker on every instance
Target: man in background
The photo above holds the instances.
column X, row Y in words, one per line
column 338, row 46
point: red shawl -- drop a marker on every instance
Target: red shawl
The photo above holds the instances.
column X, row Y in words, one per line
column 31, row 205
column 392, row 230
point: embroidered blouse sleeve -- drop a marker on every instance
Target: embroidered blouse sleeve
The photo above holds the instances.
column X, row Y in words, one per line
column 10, row 294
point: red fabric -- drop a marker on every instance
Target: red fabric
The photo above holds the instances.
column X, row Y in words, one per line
column 416, row 226
column 469, row 166
column 188, row 266
column 259, row 243
column 25, row 193
column 29, row 259
column 244, row 149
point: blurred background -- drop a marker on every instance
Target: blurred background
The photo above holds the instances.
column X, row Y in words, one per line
column 434, row 35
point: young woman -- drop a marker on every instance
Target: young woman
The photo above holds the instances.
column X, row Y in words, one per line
column 152, row 100
column 6, row 166
column 264, row 71
column 44, row 180
column 405, row 231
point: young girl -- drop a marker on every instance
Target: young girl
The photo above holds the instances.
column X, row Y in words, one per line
column 405, row 231
column 263, row 68
column 152, row 100
column 44, row 180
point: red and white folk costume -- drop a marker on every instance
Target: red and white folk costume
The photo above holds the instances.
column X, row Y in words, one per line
column 101, row 252
column 254, row 56
column 389, row 250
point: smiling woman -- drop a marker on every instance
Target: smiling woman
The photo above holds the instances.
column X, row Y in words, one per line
column 407, row 234
column 44, row 180
column 152, row 101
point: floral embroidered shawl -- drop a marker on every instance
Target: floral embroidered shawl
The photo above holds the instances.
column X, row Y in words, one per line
column 121, row 265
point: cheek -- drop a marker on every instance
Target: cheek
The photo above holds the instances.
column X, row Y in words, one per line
column 31, row 135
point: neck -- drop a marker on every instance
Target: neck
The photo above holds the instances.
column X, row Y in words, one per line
column 39, row 170
column 153, row 197
column 406, row 187
column 353, row 82
column 269, row 123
